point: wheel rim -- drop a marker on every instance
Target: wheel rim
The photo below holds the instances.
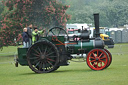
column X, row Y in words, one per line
column 97, row 59
column 110, row 58
column 43, row 57
column 57, row 31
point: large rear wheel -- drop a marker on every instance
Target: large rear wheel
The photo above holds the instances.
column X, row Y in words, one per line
column 43, row 57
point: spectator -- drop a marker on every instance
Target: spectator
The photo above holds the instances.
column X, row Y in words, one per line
column 25, row 38
column 29, row 32
column 35, row 34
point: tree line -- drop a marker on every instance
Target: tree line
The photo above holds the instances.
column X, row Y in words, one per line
column 113, row 13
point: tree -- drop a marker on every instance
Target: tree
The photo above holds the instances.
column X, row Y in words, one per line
column 1, row 9
column 113, row 13
column 82, row 16
column 19, row 13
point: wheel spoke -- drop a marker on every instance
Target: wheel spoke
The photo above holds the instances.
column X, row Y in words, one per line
column 49, row 50
column 94, row 55
column 34, row 58
column 59, row 32
column 45, row 50
column 92, row 61
column 36, row 51
column 42, row 48
column 101, row 64
column 52, row 32
column 100, row 55
column 97, row 65
column 36, row 55
column 50, row 59
column 97, row 53
column 37, row 63
column 102, row 58
column 40, row 67
column 50, row 53
column 102, row 61
column 43, row 67
column 39, row 50
column 50, row 63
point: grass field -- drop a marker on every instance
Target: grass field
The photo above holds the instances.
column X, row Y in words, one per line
column 74, row 74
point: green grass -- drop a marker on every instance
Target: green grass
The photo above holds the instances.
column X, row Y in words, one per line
column 74, row 74
column 8, row 51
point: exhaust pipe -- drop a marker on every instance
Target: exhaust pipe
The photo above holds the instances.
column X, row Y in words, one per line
column 96, row 21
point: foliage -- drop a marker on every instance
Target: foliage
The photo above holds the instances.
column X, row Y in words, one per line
column 113, row 13
column 19, row 13
column 1, row 9
column 80, row 16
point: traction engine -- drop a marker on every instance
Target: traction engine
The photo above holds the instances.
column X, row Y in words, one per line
column 54, row 50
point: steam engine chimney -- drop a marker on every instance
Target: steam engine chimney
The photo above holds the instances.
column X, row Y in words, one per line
column 96, row 21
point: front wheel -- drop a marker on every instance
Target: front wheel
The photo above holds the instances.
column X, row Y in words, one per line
column 110, row 58
column 97, row 59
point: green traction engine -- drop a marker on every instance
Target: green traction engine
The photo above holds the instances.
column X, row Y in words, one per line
column 54, row 50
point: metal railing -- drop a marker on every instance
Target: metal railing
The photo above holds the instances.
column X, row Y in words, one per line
column 119, row 49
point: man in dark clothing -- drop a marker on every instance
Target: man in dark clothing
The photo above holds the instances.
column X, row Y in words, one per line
column 25, row 38
column 29, row 32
